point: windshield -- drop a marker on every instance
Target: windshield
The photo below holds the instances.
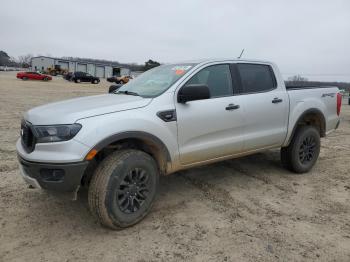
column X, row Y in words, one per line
column 155, row 81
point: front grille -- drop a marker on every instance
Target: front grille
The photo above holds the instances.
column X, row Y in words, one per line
column 27, row 136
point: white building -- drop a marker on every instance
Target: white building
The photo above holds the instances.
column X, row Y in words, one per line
column 102, row 70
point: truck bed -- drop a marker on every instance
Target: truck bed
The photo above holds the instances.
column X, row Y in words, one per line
column 324, row 98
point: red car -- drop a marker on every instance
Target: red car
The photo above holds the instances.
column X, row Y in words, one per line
column 33, row 75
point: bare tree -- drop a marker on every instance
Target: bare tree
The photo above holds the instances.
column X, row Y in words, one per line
column 297, row 79
column 25, row 60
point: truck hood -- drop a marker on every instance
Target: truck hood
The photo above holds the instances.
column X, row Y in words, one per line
column 69, row 111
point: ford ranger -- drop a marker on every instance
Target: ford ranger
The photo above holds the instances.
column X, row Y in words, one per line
column 172, row 117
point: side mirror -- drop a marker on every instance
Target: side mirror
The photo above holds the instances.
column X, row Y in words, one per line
column 193, row 92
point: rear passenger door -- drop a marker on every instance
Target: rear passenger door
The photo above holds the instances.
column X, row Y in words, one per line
column 265, row 104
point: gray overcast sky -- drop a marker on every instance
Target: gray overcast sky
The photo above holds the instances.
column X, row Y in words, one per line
column 301, row 36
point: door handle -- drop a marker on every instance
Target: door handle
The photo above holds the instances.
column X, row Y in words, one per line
column 232, row 107
column 277, row 100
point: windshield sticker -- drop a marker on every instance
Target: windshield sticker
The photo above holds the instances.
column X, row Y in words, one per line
column 179, row 72
column 181, row 69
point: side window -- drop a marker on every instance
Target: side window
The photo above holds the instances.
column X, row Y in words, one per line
column 217, row 78
column 256, row 78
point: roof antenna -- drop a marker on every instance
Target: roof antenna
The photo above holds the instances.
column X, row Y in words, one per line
column 241, row 54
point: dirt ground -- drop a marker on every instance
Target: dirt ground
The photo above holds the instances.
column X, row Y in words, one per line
column 247, row 209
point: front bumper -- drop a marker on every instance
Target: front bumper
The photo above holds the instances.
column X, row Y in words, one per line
column 53, row 176
column 70, row 151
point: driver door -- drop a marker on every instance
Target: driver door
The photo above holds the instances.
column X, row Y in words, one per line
column 210, row 128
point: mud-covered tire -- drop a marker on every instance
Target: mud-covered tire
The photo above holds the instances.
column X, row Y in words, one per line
column 302, row 153
column 110, row 185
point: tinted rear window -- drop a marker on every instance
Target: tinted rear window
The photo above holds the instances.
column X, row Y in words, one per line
column 256, row 78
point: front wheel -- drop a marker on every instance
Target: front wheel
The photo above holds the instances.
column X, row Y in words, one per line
column 46, row 79
column 302, row 153
column 24, row 78
column 78, row 80
column 123, row 188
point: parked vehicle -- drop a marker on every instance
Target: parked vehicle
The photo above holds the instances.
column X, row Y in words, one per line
column 114, row 88
column 170, row 118
column 68, row 76
column 78, row 77
column 119, row 79
column 33, row 76
column 56, row 70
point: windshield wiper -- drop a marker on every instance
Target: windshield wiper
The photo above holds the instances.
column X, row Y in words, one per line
column 128, row 93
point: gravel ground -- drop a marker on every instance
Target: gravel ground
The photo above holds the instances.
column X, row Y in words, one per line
column 247, row 209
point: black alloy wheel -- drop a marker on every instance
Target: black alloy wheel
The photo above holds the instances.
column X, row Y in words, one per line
column 123, row 188
column 133, row 191
column 302, row 152
column 307, row 149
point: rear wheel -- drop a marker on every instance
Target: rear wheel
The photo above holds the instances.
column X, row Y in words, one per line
column 302, row 153
column 123, row 188
column 78, row 80
column 45, row 78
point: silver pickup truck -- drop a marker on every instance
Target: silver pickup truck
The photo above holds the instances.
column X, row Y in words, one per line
column 173, row 117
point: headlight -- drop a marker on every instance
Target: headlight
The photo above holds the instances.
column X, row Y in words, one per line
column 47, row 134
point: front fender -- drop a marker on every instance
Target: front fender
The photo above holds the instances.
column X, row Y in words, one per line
column 134, row 135
column 102, row 130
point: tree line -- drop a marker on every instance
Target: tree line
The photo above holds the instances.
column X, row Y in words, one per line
column 298, row 80
column 21, row 61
